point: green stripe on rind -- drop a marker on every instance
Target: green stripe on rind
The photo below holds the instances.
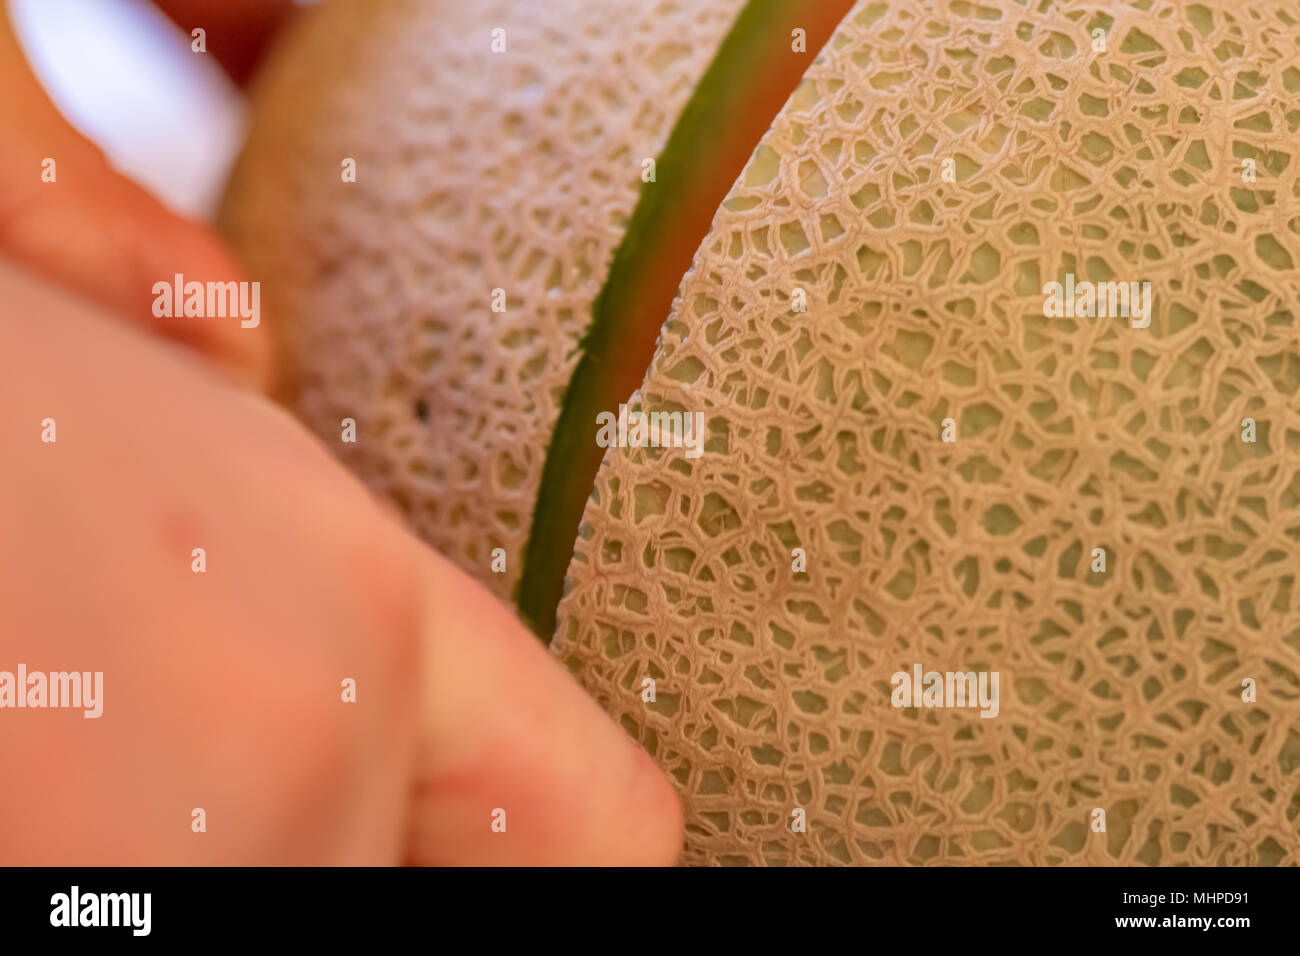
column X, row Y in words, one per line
column 710, row 144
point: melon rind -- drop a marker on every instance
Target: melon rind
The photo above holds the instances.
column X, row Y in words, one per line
column 475, row 171
column 1119, row 690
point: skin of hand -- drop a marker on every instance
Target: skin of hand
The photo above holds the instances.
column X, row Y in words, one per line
column 223, row 690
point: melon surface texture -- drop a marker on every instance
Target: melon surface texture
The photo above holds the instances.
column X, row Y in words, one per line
column 475, row 172
column 872, row 284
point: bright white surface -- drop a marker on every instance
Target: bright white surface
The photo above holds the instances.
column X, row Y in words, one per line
column 125, row 76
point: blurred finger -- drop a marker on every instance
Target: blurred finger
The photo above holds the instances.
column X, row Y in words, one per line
column 518, row 765
column 81, row 223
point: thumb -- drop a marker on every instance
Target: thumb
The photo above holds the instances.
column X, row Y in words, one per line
column 95, row 231
column 518, row 765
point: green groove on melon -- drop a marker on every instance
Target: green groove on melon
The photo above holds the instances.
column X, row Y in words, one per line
column 477, row 171
column 751, row 77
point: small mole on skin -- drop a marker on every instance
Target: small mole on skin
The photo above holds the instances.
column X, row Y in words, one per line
column 422, row 409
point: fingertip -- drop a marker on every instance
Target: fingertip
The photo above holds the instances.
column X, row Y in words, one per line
column 519, row 766
column 90, row 228
column 656, row 805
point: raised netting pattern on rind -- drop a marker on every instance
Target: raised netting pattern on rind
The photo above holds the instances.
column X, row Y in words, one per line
column 475, row 171
column 1119, row 690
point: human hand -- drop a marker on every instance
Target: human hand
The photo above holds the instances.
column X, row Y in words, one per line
column 222, row 689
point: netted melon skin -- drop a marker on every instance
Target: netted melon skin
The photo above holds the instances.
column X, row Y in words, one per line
column 475, row 171
column 1120, row 690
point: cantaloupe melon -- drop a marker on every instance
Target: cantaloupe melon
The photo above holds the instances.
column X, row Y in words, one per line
column 937, row 166
column 498, row 149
